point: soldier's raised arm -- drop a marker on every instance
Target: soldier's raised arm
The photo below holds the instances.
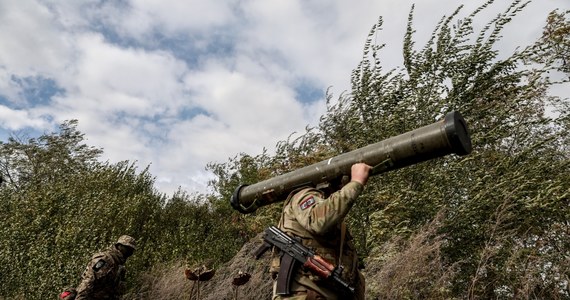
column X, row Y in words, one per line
column 359, row 172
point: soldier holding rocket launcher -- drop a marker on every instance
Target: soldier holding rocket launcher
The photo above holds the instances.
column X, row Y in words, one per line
column 313, row 216
column 317, row 218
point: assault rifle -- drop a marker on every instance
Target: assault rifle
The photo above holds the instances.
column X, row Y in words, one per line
column 293, row 253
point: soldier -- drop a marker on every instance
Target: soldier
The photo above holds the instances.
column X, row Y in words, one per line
column 317, row 218
column 104, row 277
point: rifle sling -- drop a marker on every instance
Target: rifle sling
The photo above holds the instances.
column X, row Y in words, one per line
column 285, row 276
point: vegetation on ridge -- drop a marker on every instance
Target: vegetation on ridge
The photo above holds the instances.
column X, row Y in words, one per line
column 493, row 224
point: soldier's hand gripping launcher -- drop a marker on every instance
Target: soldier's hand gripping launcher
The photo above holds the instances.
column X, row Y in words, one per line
column 295, row 253
column 447, row 136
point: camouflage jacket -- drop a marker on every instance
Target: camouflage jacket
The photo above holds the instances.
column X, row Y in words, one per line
column 319, row 222
column 104, row 276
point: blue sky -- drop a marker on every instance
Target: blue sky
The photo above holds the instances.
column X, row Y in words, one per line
column 178, row 84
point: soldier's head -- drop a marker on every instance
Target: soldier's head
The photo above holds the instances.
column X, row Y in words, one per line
column 333, row 185
column 127, row 245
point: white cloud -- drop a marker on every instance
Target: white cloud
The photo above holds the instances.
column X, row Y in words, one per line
column 150, row 80
column 244, row 114
column 139, row 18
column 240, row 100
column 7, row 87
column 15, row 119
column 31, row 41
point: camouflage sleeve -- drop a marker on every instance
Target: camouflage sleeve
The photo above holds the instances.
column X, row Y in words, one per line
column 95, row 273
column 85, row 288
column 319, row 215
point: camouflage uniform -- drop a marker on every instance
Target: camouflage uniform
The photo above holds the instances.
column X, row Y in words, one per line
column 318, row 221
column 104, row 276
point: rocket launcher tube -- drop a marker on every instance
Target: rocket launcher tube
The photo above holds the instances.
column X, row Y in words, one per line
column 438, row 139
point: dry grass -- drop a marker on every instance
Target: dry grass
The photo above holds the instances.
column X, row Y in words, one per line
column 259, row 285
column 169, row 281
column 409, row 269
column 163, row 282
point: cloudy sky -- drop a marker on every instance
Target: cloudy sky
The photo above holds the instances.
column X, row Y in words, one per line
column 176, row 84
